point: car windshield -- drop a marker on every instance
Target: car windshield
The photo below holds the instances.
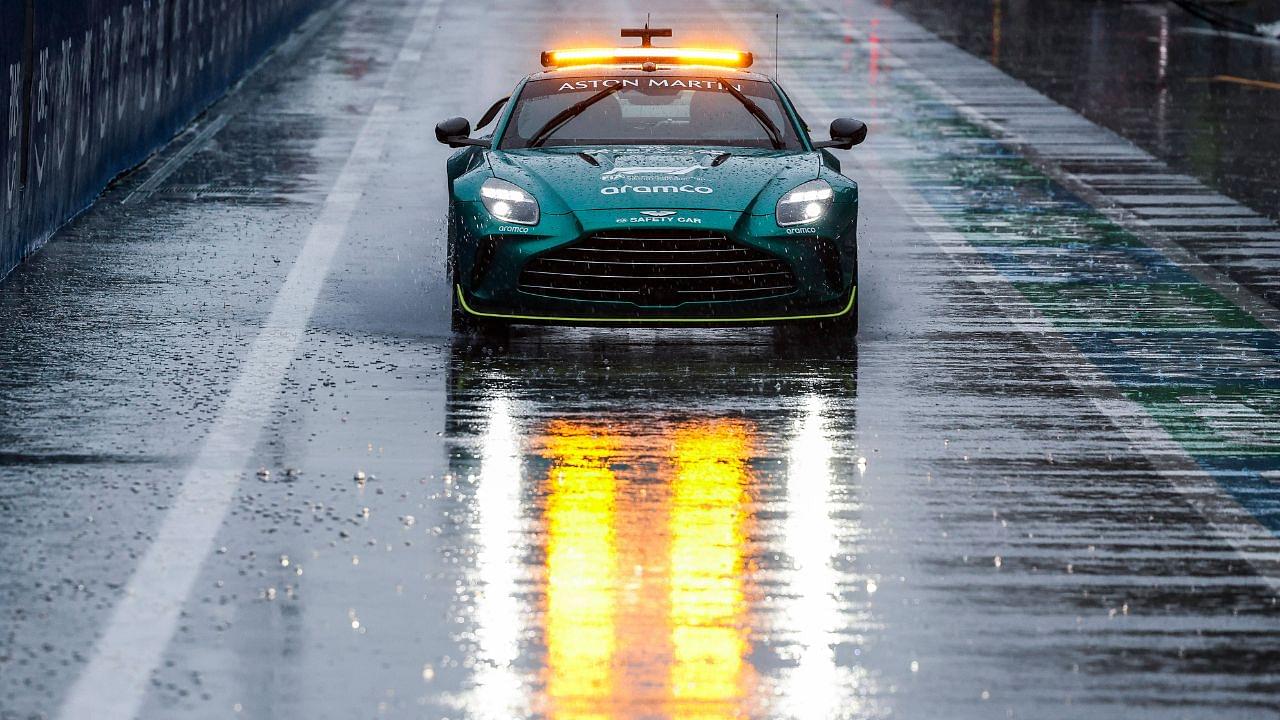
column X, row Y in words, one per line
column 649, row 110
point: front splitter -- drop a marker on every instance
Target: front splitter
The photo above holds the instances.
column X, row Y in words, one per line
column 655, row 321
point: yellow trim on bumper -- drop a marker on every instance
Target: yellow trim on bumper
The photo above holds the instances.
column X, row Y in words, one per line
column 549, row 318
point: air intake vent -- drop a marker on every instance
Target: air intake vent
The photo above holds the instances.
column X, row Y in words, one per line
column 657, row 268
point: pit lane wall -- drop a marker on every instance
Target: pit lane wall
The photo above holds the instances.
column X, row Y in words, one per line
column 91, row 87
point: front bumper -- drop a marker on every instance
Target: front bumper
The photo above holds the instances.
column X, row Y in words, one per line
column 489, row 258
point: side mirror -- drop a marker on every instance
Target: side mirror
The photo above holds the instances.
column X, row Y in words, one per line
column 845, row 133
column 455, row 132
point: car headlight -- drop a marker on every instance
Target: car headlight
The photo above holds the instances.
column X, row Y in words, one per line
column 805, row 204
column 508, row 203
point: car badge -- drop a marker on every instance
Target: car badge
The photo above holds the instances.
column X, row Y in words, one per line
column 658, row 213
column 617, row 172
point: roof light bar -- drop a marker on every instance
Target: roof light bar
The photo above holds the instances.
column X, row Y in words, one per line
column 636, row 55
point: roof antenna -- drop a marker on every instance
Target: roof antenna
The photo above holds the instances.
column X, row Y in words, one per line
column 777, row 20
column 646, row 34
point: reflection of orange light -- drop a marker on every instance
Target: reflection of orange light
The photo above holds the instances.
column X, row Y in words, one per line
column 582, row 569
column 683, row 56
column 707, row 538
column 874, row 42
column 680, row 608
column 997, row 15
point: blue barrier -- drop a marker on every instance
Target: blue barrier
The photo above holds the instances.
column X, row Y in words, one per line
column 90, row 88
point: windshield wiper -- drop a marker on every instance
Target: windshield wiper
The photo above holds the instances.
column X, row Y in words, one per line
column 775, row 135
column 491, row 113
column 567, row 114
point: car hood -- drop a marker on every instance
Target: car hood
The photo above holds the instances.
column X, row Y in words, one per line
column 685, row 178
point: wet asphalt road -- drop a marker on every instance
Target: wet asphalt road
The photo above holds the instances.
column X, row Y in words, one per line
column 246, row 472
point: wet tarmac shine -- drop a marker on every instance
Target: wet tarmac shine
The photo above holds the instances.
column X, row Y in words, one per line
column 1188, row 93
column 1044, row 484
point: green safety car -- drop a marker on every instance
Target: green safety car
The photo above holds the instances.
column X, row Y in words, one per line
column 651, row 186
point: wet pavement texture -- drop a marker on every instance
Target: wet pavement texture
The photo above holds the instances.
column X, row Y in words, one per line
column 1185, row 91
column 245, row 471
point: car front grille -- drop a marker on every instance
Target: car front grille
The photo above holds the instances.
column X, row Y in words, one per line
column 657, row 268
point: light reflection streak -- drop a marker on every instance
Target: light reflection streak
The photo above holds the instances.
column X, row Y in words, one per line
column 997, row 30
column 499, row 691
column 814, row 687
column 1162, row 83
column 669, row 632
column 874, row 61
column 582, row 571
column 708, row 517
column 873, row 42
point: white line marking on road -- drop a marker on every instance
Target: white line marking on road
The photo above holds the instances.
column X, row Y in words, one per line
column 179, row 158
column 114, row 683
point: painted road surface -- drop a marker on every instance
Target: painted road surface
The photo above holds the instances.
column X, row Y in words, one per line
column 245, row 471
